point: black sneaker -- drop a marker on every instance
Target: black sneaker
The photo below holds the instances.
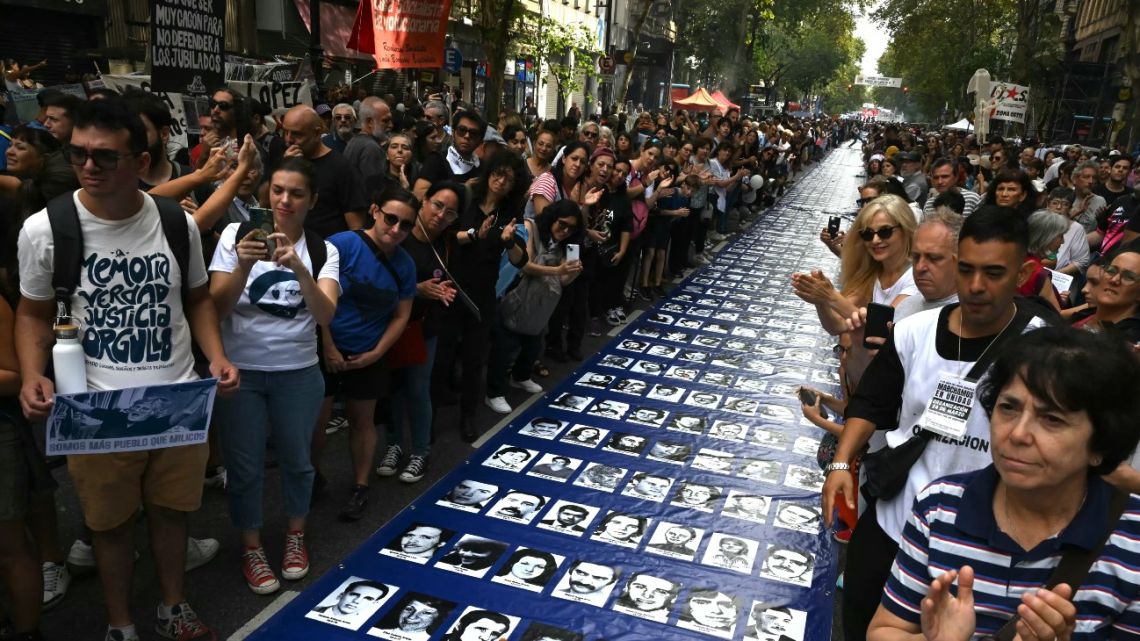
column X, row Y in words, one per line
column 357, row 501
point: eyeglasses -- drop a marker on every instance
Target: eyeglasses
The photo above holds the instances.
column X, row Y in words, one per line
column 884, row 232
column 590, row 134
column 840, row 350
column 863, row 201
column 997, row 158
column 464, row 132
column 105, row 159
column 441, row 208
column 222, row 105
column 1126, row 276
column 343, row 117
column 392, row 220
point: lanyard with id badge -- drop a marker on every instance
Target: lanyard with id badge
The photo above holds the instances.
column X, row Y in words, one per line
column 948, row 410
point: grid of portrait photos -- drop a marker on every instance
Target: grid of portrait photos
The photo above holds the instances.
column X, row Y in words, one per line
column 669, row 488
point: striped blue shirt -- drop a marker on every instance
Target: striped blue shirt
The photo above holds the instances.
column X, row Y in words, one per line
column 952, row 524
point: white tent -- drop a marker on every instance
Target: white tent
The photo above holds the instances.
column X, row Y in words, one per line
column 961, row 125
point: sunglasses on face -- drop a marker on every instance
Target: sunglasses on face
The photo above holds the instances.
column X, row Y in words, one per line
column 342, row 117
column 105, row 159
column 464, row 132
column 863, row 201
column 884, row 232
column 222, row 105
column 392, row 220
column 566, row 226
column 1126, row 276
column 590, row 134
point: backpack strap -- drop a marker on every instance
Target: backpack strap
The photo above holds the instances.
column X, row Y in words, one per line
column 67, row 243
column 318, row 253
column 173, row 219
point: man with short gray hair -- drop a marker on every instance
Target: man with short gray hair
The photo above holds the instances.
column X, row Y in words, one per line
column 1087, row 205
column 366, row 150
column 934, row 261
column 344, row 122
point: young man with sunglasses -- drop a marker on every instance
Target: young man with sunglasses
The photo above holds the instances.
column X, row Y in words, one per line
column 221, row 105
column 928, row 352
column 126, row 250
column 459, row 162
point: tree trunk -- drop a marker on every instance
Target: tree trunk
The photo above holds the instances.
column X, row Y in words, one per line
column 636, row 38
column 496, row 18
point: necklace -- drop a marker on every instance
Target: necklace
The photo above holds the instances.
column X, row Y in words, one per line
column 961, row 323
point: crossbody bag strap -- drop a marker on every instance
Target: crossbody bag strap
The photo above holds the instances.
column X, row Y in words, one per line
column 379, row 254
column 1075, row 562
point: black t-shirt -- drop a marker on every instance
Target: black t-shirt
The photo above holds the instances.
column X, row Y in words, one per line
column 1120, row 211
column 436, row 168
column 1109, row 196
column 339, row 190
column 619, row 217
column 476, row 265
column 427, row 268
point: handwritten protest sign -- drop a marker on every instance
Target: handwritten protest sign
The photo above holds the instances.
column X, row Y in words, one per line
column 133, row 419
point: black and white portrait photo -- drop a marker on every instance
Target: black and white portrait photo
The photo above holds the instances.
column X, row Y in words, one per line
column 555, row 467
column 674, row 452
column 696, row 496
column 587, row 582
column 542, row 632
column 472, row 555
column 710, row 611
column 610, row 409
column 352, row 603
column 662, row 351
column 631, row 345
column 631, row 386
column 652, row 368
column 572, row 402
column 648, row 416
column 510, row 458
column 689, row 323
column 693, row 356
column 711, row 460
column 518, row 506
column 772, row 622
column 676, row 337
column 468, row 495
column 747, row 506
column 805, row 445
column 682, row 373
column 595, row 380
column 615, row 361
column 730, row 552
column 647, row 597
column 741, row 405
column 805, row 478
column 648, row 487
column 599, row 476
column 729, row 430
column 528, row 569
column 664, row 319
column 801, row 516
column 584, row 436
column 543, row 427
column 770, row 438
column 481, row 625
column 675, row 540
column 647, row 332
column 690, row 423
column 666, row 392
column 416, row 617
column 788, row 565
column 703, row 399
column 625, row 443
column 567, row 517
column 619, row 528
column 717, row 378
column 418, row 543
column 761, row 469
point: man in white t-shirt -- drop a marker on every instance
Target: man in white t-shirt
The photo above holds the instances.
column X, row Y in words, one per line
column 926, row 351
column 135, row 333
column 934, row 263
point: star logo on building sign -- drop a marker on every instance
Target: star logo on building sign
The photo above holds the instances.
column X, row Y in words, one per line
column 1012, row 92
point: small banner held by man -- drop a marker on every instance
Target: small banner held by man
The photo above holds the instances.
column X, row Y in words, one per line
column 1008, row 101
column 130, row 420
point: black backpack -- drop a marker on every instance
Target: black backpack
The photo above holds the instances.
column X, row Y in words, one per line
column 67, row 238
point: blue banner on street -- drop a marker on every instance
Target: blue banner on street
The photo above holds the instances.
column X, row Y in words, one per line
column 668, row 489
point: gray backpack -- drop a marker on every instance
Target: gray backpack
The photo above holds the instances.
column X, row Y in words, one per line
column 527, row 306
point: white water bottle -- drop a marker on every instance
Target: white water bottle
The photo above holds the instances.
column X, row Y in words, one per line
column 68, row 360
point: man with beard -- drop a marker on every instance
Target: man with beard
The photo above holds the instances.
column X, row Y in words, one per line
column 419, row 540
column 366, row 150
column 519, row 506
column 588, row 582
column 569, row 517
column 343, row 122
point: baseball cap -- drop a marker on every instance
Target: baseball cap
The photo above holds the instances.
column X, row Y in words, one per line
column 323, row 109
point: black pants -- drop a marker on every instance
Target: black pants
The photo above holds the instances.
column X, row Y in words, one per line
column 609, row 281
column 680, row 238
column 869, row 557
column 700, row 232
column 465, row 341
column 573, row 308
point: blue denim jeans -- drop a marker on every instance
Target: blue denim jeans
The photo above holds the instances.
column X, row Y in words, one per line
column 286, row 403
column 411, row 399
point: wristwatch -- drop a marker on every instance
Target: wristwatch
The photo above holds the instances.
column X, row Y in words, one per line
column 835, row 467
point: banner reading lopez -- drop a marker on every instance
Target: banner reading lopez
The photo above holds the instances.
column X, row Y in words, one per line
column 401, row 34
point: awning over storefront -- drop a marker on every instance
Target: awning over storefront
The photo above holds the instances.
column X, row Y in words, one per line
column 336, row 26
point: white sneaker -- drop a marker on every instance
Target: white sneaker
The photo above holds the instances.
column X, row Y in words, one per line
column 498, row 404
column 56, row 580
column 528, row 385
column 199, row 552
column 81, row 558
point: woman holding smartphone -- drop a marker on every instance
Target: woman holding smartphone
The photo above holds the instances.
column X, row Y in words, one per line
column 378, row 279
column 270, row 305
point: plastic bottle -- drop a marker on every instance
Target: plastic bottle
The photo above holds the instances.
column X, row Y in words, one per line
column 69, row 361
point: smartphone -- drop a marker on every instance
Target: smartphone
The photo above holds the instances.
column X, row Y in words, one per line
column 807, row 396
column 877, row 318
column 573, row 252
column 262, row 219
column 833, row 226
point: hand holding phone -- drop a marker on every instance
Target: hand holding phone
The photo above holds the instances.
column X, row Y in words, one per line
column 877, row 325
column 833, row 226
column 573, row 252
column 262, row 219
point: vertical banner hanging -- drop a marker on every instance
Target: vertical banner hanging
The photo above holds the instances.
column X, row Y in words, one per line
column 187, row 41
column 401, row 34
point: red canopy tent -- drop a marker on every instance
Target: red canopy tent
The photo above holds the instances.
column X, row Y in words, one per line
column 699, row 101
column 723, row 101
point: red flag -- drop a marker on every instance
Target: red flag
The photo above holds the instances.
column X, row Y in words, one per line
column 412, row 33
column 362, row 38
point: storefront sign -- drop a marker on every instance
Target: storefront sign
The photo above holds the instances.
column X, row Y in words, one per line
column 187, row 39
column 406, row 34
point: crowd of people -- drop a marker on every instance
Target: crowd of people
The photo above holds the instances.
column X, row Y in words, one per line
column 349, row 266
column 987, row 430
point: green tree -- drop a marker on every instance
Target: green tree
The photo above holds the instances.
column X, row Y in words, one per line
column 569, row 51
column 498, row 20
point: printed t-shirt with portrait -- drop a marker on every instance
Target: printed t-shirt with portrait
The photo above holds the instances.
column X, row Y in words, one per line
column 369, row 293
column 128, row 303
column 271, row 328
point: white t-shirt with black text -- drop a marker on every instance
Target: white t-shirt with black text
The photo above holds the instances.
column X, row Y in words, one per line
column 129, row 299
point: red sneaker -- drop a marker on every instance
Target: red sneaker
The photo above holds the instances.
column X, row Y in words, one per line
column 296, row 563
column 844, row 536
column 258, row 575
